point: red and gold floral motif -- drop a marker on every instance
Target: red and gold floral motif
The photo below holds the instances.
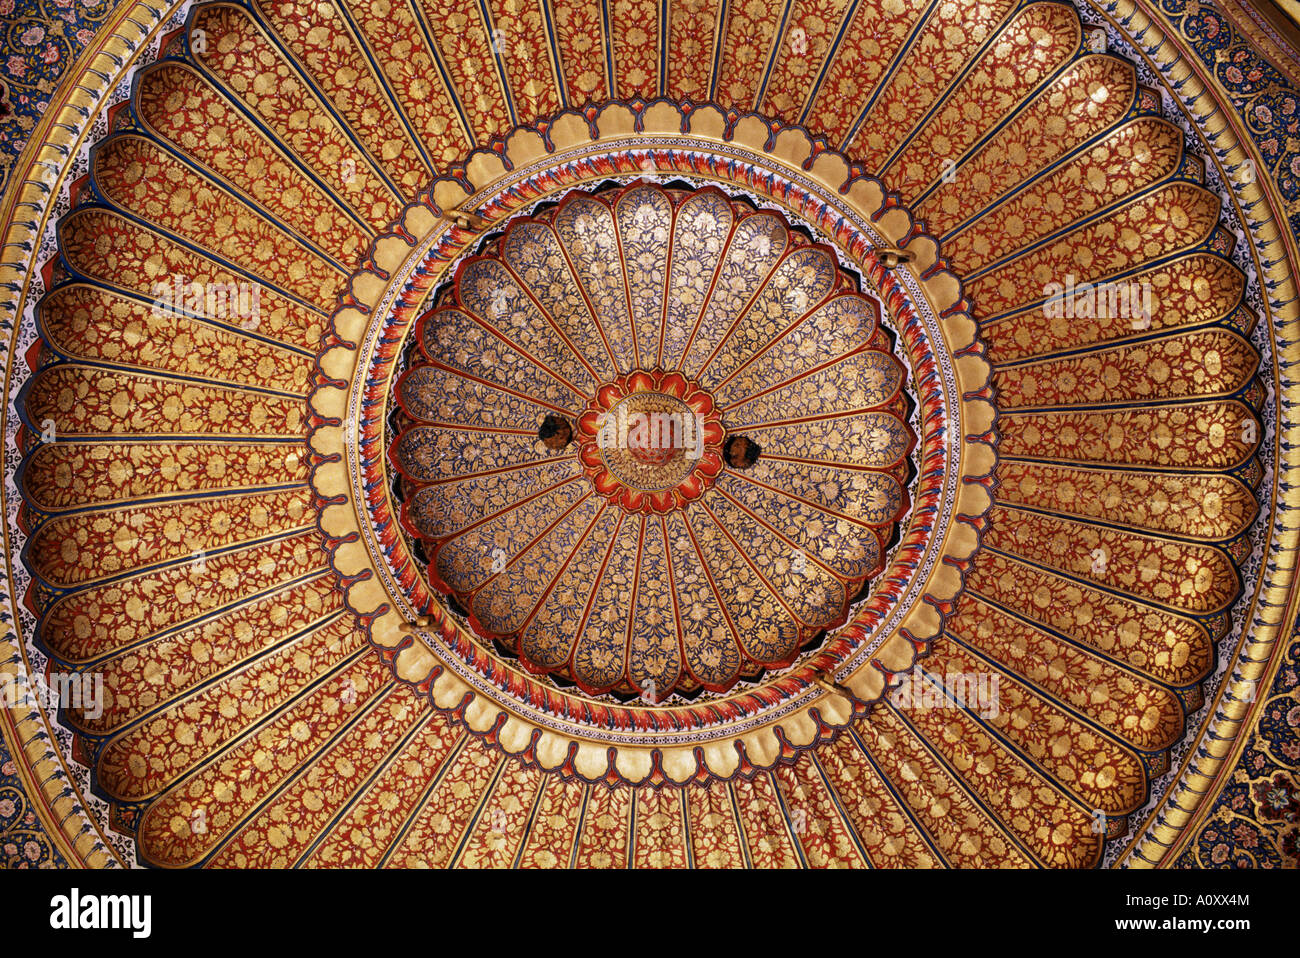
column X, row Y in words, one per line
column 558, row 823
column 319, row 38
column 750, row 33
column 1133, row 708
column 1173, row 218
column 87, row 401
column 1056, row 828
column 450, row 809
column 605, row 833
column 65, row 475
column 871, row 43
column 716, row 840
column 247, row 64
column 810, row 32
column 466, row 48
column 1196, row 579
column 155, row 749
column 376, row 816
column 1130, row 159
column 1209, row 507
column 1212, row 435
column 635, row 33
column 118, row 253
column 502, row 824
column 163, row 669
column 392, row 32
column 521, row 40
column 283, row 832
column 933, row 60
column 104, row 619
column 84, row 547
column 1101, row 771
column 97, row 324
column 890, row 838
column 581, row 39
column 200, row 811
column 964, row 834
column 1169, row 647
column 692, row 28
column 823, row 834
column 1089, row 96
column 184, row 108
column 879, row 793
column 643, row 472
column 140, row 177
column 1185, row 292
column 660, row 815
column 1037, row 41
column 769, row 834
column 1185, row 365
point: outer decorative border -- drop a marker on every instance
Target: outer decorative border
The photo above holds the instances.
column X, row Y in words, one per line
column 577, row 736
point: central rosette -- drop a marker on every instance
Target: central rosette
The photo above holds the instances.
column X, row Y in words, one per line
column 651, row 441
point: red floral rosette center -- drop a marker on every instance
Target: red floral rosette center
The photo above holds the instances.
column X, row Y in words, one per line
column 651, row 441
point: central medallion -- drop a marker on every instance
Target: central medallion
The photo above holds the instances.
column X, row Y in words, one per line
column 651, row 441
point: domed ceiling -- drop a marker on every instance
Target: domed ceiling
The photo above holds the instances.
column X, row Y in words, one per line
column 681, row 434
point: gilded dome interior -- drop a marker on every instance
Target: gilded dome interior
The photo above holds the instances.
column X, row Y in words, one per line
column 684, row 434
column 608, row 564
